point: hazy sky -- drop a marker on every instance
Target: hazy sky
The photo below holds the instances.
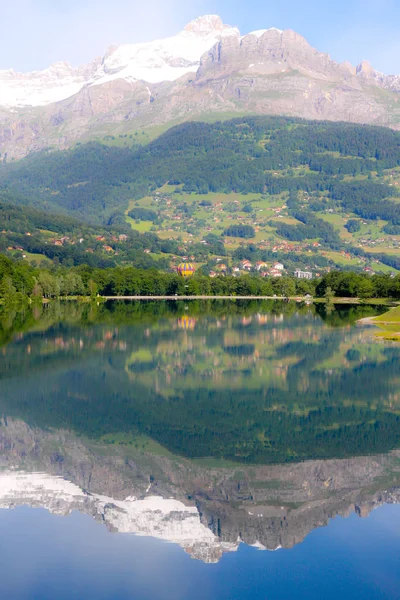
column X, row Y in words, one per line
column 35, row 33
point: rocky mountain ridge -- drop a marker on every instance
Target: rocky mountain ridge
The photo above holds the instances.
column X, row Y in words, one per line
column 207, row 71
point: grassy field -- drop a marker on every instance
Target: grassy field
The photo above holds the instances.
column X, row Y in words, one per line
column 38, row 258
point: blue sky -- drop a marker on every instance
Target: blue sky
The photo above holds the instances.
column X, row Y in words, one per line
column 36, row 33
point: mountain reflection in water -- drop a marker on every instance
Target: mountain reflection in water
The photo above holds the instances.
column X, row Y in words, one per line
column 208, row 426
column 206, row 510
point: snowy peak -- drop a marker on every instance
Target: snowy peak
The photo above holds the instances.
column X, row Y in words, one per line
column 167, row 59
column 207, row 25
column 57, row 82
column 161, row 60
column 260, row 32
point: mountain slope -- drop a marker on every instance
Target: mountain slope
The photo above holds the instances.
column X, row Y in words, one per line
column 284, row 185
column 208, row 69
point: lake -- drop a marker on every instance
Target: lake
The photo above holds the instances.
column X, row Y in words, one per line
column 201, row 450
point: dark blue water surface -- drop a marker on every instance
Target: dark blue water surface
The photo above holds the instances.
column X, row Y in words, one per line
column 48, row 557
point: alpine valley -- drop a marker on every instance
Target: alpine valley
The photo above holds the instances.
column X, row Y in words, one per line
column 230, row 151
column 199, row 246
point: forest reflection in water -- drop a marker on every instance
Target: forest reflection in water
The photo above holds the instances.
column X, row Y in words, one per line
column 246, row 382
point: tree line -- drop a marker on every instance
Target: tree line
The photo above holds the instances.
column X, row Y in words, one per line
column 19, row 281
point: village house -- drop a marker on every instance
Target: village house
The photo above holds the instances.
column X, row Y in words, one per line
column 246, row 265
column 261, row 265
column 303, row 274
column 275, row 273
column 278, row 266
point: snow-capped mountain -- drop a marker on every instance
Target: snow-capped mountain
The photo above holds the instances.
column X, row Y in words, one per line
column 166, row 519
column 164, row 60
column 266, row 507
column 153, row 62
column 207, row 69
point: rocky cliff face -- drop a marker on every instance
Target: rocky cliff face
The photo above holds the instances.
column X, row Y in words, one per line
column 209, row 68
column 213, row 510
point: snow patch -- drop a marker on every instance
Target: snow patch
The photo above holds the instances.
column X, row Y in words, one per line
column 260, row 32
column 259, row 546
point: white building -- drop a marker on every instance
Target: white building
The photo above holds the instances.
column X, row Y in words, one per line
column 278, row 266
column 303, row 274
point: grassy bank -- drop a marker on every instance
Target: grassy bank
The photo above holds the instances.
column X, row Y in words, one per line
column 389, row 323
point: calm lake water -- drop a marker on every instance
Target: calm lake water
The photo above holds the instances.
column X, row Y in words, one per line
column 201, row 450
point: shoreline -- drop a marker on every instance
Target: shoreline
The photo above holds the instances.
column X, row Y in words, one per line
column 367, row 321
column 388, row 324
column 311, row 300
column 389, row 302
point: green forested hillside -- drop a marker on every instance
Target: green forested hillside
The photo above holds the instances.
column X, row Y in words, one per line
column 40, row 237
column 236, row 155
column 308, row 179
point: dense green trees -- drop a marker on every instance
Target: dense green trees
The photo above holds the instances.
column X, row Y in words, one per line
column 35, row 231
column 311, row 164
column 356, row 285
column 241, row 231
column 353, row 225
column 19, row 280
column 310, row 227
column 143, row 214
column 16, row 280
